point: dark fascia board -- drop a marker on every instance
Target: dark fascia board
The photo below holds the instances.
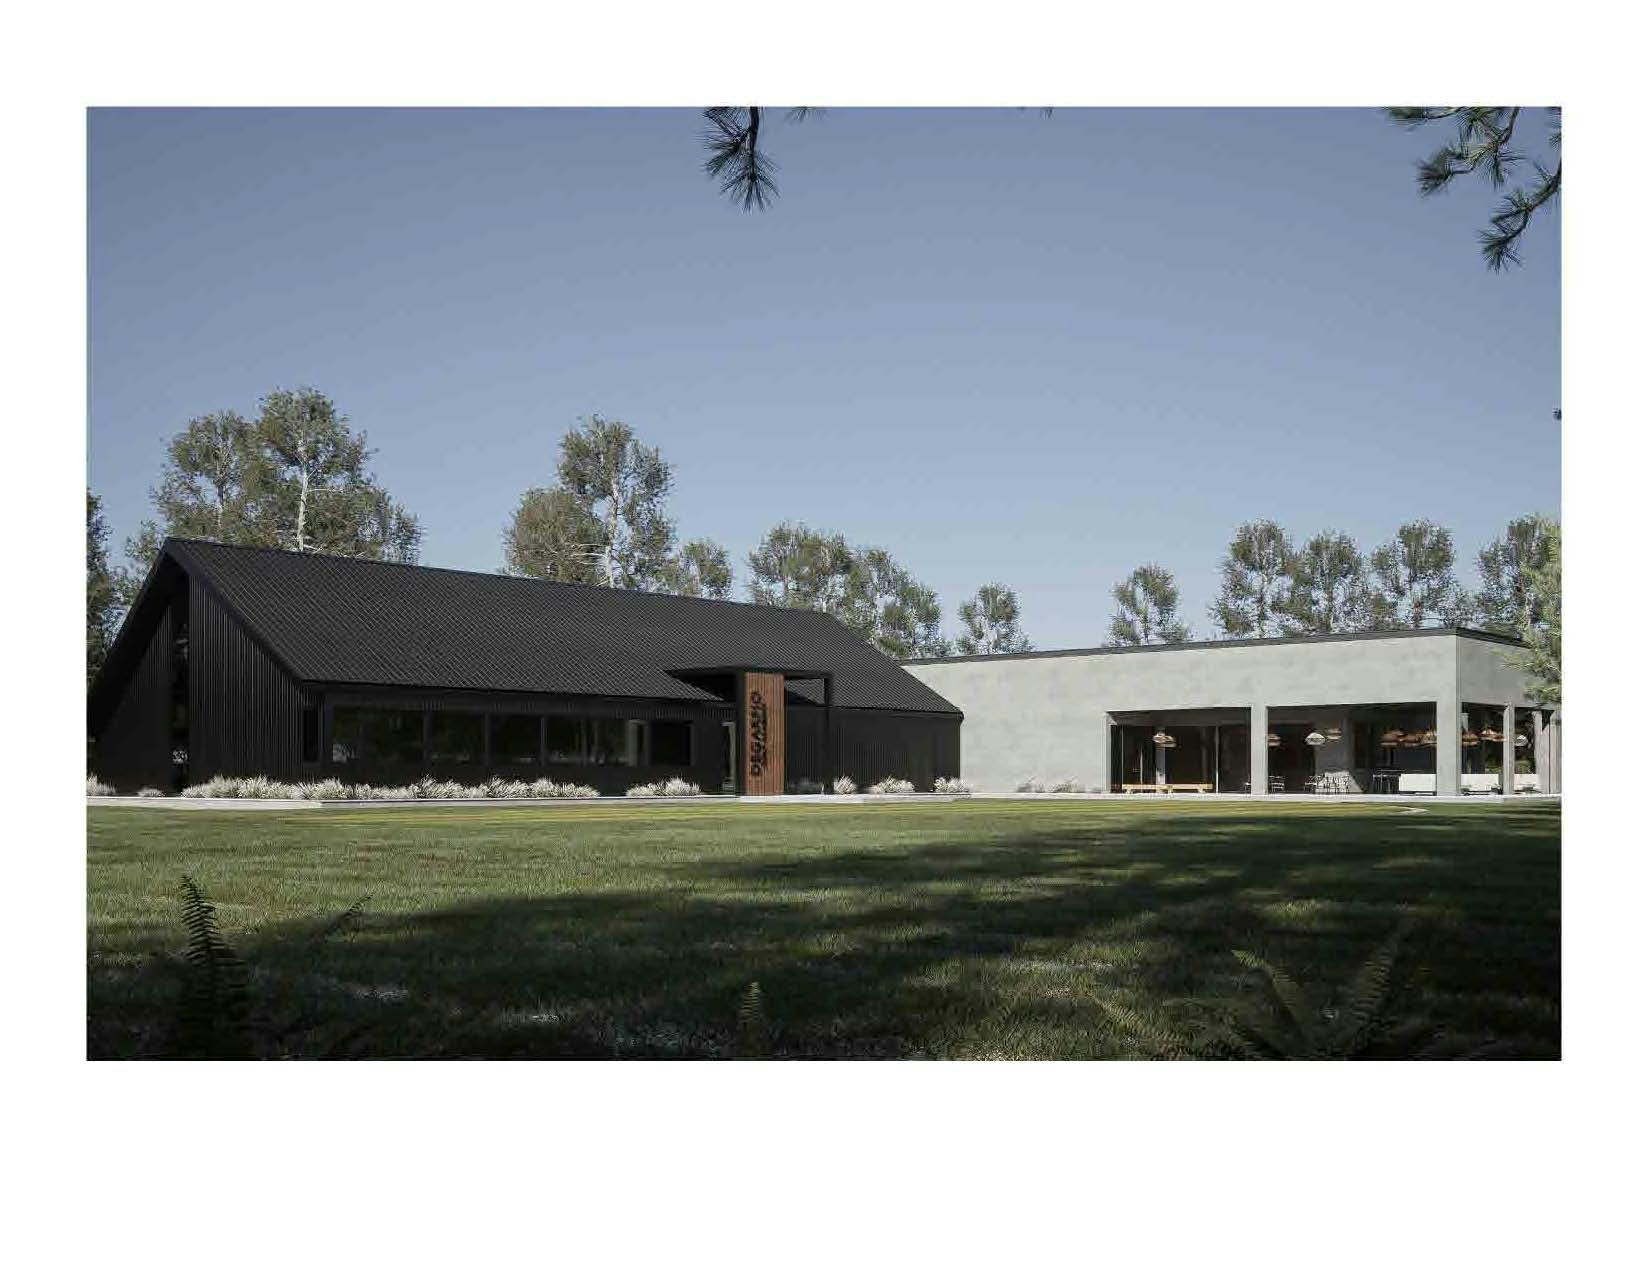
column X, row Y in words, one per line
column 724, row 670
column 389, row 690
column 1482, row 635
column 124, row 650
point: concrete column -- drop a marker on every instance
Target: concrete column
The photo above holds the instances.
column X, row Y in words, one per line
column 1447, row 756
column 1555, row 749
column 1105, row 751
column 1161, row 761
column 1509, row 750
column 1259, row 760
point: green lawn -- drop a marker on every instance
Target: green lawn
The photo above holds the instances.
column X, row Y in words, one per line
column 979, row 929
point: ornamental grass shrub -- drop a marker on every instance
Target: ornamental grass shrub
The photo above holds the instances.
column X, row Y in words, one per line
column 425, row 789
column 893, row 787
column 844, row 786
column 955, row 787
column 676, row 787
column 95, row 787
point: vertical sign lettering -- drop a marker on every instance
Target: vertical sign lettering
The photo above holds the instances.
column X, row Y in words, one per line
column 758, row 733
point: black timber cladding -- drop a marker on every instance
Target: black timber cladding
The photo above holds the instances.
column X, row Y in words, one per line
column 335, row 620
column 271, row 654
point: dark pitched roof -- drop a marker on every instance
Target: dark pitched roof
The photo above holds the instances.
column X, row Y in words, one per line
column 352, row 620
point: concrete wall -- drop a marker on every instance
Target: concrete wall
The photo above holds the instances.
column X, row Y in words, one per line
column 1047, row 714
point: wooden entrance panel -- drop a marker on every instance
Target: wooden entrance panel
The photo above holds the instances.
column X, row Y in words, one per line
column 762, row 734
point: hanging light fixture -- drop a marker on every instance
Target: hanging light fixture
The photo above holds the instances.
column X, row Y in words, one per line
column 1332, row 734
column 1163, row 739
column 1521, row 741
column 1392, row 739
column 1317, row 739
column 1429, row 739
column 1490, row 735
column 1468, row 739
column 1274, row 741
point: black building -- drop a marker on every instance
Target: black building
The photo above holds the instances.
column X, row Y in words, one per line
column 243, row 661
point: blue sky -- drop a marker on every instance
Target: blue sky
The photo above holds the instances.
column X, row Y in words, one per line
column 1008, row 347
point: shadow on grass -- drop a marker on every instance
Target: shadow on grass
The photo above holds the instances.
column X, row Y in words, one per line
column 934, row 949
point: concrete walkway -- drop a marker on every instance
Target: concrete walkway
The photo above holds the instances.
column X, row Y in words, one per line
column 817, row 799
column 281, row 803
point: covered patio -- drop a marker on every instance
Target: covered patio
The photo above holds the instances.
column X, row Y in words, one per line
column 1376, row 749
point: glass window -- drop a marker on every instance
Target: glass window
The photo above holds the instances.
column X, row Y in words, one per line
column 607, row 741
column 312, row 733
column 515, row 740
column 456, row 738
column 564, row 739
column 377, row 735
column 672, row 744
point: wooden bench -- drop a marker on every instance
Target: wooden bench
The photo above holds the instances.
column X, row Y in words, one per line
column 1167, row 788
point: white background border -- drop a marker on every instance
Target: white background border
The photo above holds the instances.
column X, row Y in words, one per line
column 786, row 1167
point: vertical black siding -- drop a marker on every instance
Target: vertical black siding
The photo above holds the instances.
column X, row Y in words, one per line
column 245, row 713
column 872, row 745
column 134, row 748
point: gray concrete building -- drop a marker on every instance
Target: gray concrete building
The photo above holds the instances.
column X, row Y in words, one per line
column 1414, row 712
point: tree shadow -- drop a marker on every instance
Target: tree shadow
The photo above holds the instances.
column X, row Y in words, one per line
column 1006, row 948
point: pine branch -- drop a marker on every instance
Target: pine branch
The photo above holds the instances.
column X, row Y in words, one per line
column 745, row 173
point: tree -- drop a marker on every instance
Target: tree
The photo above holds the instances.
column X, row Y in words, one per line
column 1541, row 621
column 991, row 622
column 1505, row 601
column 604, row 522
column 1483, row 143
column 865, row 588
column 1413, row 581
column 1254, row 581
column 554, row 537
column 795, row 566
column 735, row 161
column 204, row 493
column 1328, row 587
column 623, row 484
column 1148, row 609
column 102, row 589
column 295, row 479
column 700, row 570
column 310, row 489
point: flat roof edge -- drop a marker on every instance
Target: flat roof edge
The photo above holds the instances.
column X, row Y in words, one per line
column 1369, row 635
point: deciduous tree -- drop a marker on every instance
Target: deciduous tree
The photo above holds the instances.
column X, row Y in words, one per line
column 1328, row 587
column 991, row 622
column 1541, row 622
column 863, row 587
column 310, row 488
column 700, row 570
column 1148, row 609
column 1254, row 582
column 553, row 536
column 623, row 483
column 1505, row 600
column 294, row 479
column 1412, row 579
